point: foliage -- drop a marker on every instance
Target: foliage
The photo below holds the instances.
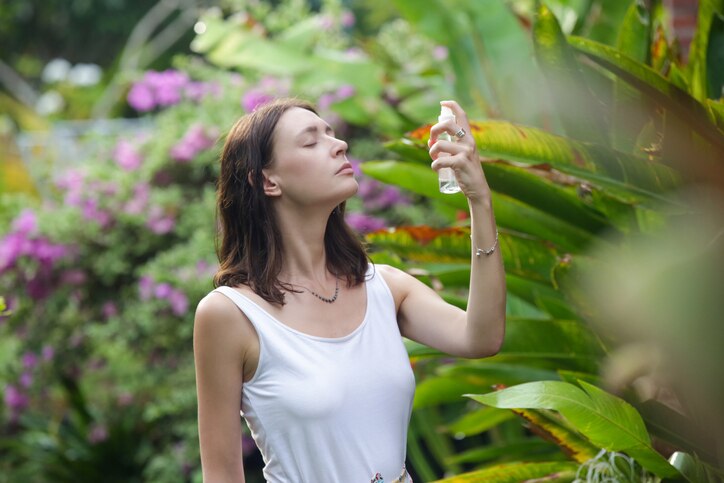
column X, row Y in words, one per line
column 606, row 172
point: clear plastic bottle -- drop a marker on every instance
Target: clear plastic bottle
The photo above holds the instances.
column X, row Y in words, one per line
column 446, row 176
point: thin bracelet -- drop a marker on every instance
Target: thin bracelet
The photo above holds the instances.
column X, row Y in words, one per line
column 490, row 250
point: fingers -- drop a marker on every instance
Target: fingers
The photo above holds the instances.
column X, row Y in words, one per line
column 450, row 148
column 460, row 117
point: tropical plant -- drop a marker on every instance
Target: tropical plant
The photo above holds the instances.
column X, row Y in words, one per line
column 627, row 130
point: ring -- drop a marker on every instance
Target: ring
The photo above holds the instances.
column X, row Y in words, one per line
column 460, row 134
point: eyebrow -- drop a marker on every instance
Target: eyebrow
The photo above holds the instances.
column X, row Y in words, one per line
column 314, row 129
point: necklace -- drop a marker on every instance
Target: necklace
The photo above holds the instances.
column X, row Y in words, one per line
column 328, row 300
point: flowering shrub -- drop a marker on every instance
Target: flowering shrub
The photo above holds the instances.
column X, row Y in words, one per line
column 103, row 274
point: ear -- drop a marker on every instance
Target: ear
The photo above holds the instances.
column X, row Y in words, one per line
column 270, row 184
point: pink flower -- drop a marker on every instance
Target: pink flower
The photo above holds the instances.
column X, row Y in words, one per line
column 324, row 101
column 48, row 353
column 347, row 19
column 364, row 223
column 26, row 222
column 124, row 399
column 345, row 92
column 326, row 22
column 137, row 204
column 145, row 287
column 98, row 433
column 30, row 360
column 159, row 222
column 127, row 156
column 14, row 399
column 73, row 277
column 440, row 52
column 253, row 99
column 92, row 213
column 163, row 291
column 179, row 302
column 26, row 379
column 109, row 309
column 140, row 97
column 11, row 247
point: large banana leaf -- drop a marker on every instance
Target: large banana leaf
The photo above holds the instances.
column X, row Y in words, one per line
column 478, row 421
column 607, row 421
column 629, row 113
column 533, row 205
column 709, row 12
column 652, row 84
column 529, row 449
column 522, row 256
column 558, row 471
column 577, row 108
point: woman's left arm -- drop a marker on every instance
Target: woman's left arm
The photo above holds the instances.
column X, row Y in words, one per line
column 423, row 315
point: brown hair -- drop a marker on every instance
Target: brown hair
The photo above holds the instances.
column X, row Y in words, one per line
column 250, row 245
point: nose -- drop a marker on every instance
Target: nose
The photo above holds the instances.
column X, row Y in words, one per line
column 339, row 147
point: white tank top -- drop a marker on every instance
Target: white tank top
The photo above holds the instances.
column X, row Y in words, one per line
column 330, row 409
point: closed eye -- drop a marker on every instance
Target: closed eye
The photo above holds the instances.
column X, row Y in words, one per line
column 309, row 145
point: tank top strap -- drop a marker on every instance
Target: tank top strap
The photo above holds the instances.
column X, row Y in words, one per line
column 250, row 309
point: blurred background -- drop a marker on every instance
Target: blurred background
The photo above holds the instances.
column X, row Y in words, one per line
column 601, row 128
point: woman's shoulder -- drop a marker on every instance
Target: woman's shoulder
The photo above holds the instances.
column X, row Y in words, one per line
column 217, row 316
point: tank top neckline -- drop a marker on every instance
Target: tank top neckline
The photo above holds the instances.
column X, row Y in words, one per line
column 343, row 338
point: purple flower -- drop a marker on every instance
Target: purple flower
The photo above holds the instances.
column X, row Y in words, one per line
column 194, row 141
column 14, row 399
column 48, row 352
column 345, row 92
column 364, row 223
column 92, row 213
column 73, row 277
column 140, row 97
column 127, row 156
column 30, row 360
column 253, row 99
column 440, row 52
column 26, row 222
column 137, row 204
column 11, row 247
column 179, row 302
column 26, row 379
column 326, row 22
column 347, row 19
column 109, row 309
column 324, row 101
column 145, row 287
column 163, row 291
column 124, row 399
column 158, row 222
column 98, row 434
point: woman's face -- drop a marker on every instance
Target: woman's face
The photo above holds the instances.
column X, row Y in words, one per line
column 310, row 165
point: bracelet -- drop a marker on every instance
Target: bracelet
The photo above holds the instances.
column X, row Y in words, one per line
column 490, row 250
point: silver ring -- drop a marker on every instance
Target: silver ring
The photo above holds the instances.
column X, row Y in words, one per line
column 460, row 134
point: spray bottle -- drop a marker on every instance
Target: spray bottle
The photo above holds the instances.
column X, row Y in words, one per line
column 446, row 176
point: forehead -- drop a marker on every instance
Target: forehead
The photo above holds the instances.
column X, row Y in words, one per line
column 294, row 121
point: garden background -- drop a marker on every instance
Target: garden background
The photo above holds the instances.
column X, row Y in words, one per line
column 601, row 128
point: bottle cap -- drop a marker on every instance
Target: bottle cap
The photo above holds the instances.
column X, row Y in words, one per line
column 445, row 114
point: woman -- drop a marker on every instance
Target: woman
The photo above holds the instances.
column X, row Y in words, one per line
column 302, row 333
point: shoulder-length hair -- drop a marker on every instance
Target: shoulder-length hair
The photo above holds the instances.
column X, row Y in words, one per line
column 249, row 243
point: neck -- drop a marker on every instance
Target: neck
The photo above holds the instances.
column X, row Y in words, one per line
column 303, row 252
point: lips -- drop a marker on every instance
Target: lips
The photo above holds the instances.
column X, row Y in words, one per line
column 345, row 166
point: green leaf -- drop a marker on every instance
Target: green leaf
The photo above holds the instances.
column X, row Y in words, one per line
column 629, row 112
column 569, row 342
column 527, row 450
column 577, row 109
column 607, row 421
column 715, row 58
column 515, row 473
column 522, row 256
column 698, row 58
column 478, row 421
column 652, row 84
column 552, row 427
